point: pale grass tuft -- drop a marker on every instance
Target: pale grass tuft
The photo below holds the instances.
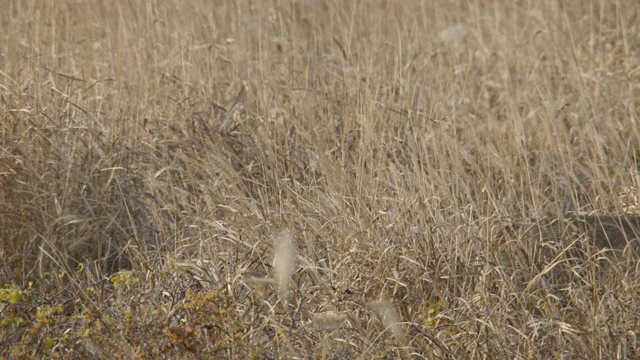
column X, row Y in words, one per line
column 389, row 318
column 453, row 33
column 329, row 320
column 405, row 145
column 283, row 261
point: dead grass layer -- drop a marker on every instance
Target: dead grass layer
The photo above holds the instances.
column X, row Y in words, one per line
column 317, row 180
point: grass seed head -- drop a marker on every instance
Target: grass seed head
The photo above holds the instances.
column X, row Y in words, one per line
column 283, row 261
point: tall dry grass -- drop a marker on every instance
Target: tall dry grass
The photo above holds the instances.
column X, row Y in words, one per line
column 155, row 155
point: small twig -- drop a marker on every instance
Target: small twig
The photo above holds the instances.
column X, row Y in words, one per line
column 224, row 128
column 433, row 340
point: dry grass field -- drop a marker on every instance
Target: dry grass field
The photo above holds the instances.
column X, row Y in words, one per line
column 317, row 179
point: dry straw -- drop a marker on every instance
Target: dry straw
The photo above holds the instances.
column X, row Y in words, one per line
column 329, row 320
column 283, row 261
column 389, row 318
column 396, row 141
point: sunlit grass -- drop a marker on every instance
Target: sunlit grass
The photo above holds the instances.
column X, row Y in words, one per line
column 316, row 180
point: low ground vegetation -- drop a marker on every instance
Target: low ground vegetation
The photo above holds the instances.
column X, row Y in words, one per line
column 318, row 180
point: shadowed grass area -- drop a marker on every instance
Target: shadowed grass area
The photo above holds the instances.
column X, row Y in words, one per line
column 317, row 180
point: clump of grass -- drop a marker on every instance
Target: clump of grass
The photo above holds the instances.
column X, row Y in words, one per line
column 151, row 154
column 283, row 261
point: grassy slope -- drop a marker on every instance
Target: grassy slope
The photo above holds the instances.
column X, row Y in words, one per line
column 155, row 155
